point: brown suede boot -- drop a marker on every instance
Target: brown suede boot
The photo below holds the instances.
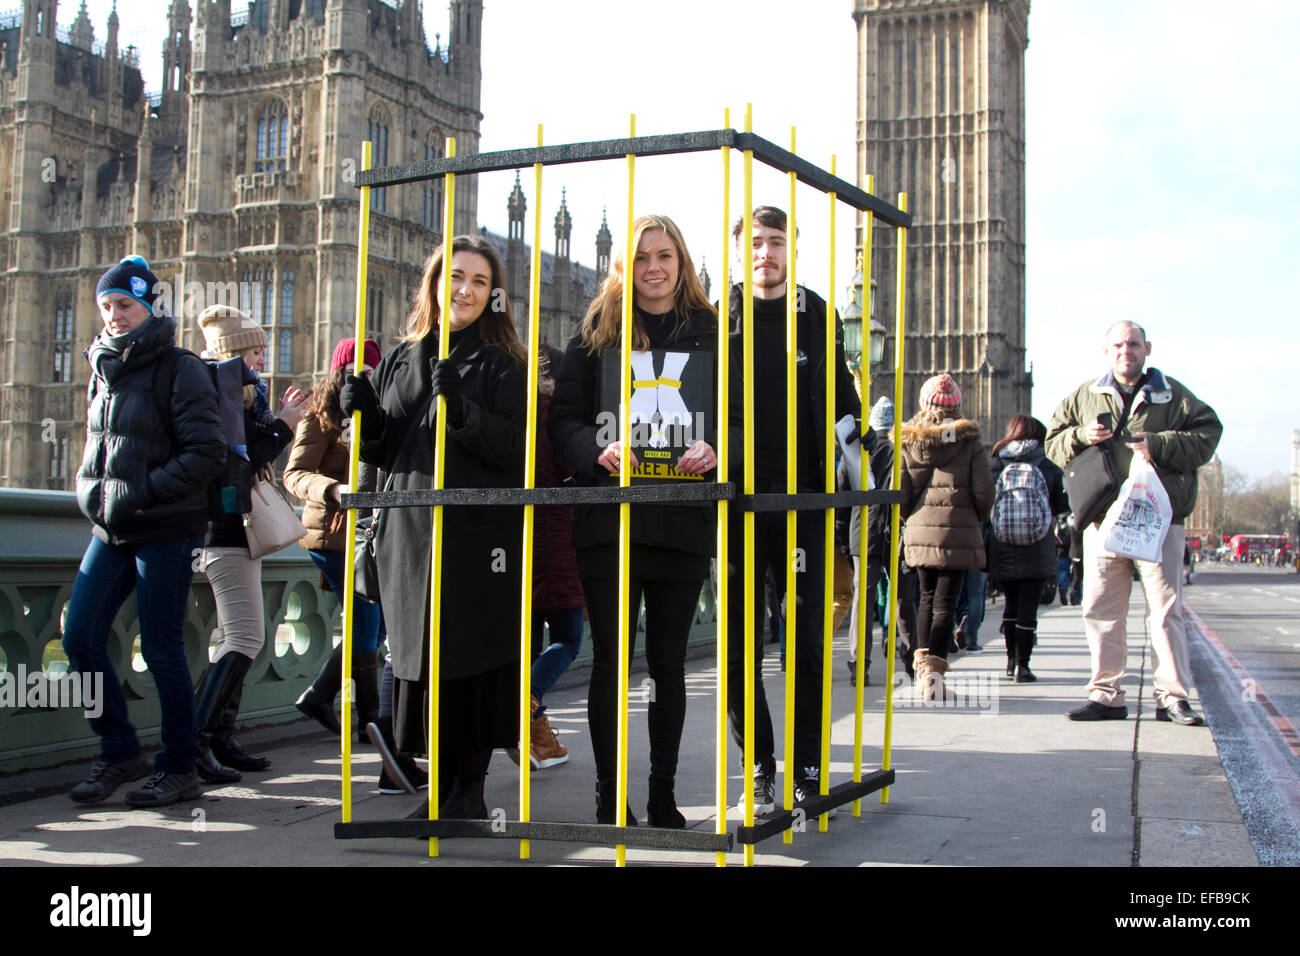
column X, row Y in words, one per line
column 934, row 686
column 921, row 667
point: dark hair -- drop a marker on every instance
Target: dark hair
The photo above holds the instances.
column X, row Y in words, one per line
column 770, row 216
column 325, row 402
column 1022, row 428
column 496, row 324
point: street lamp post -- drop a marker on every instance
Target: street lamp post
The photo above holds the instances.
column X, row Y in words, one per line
column 853, row 316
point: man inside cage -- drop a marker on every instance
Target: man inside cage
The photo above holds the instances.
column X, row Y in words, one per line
column 768, row 257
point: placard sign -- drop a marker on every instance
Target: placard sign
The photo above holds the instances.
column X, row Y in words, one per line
column 671, row 408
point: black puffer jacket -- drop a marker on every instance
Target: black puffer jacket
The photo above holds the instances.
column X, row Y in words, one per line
column 1019, row 562
column 143, row 480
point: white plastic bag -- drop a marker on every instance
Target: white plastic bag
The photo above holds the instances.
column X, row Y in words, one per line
column 1137, row 523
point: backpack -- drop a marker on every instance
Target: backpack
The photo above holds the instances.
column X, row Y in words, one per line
column 231, row 491
column 1021, row 513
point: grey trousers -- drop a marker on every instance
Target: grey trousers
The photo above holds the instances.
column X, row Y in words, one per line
column 236, row 581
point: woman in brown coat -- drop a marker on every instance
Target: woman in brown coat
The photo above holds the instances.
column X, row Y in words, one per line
column 947, row 492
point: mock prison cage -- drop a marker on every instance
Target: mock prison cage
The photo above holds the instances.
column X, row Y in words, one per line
column 725, row 493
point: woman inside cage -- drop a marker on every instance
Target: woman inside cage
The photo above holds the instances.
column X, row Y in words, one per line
column 483, row 383
column 947, row 492
column 671, row 544
column 317, row 473
column 153, row 444
column 235, row 576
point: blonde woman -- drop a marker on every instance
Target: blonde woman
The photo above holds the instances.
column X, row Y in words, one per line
column 671, row 544
column 236, row 578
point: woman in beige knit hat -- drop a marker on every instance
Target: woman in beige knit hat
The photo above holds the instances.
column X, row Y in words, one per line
column 236, row 578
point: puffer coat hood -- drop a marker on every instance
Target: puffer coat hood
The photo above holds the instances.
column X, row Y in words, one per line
column 948, row 492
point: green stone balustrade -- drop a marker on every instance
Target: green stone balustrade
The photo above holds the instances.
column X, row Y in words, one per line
column 42, row 538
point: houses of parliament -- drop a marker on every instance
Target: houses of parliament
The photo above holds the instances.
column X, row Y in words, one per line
column 236, row 181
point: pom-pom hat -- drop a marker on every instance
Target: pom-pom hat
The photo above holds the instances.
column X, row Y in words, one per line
column 882, row 414
column 940, row 393
column 131, row 277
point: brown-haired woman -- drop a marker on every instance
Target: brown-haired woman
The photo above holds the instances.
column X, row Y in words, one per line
column 947, row 492
column 671, row 544
column 1023, row 506
column 483, row 381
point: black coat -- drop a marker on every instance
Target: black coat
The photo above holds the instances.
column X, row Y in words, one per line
column 141, row 479
column 481, row 545
column 573, row 431
column 846, row 396
column 1020, row 562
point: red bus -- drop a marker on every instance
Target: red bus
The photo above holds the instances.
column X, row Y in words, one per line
column 1245, row 548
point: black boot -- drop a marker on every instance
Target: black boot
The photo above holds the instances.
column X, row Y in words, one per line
column 1008, row 629
column 317, row 701
column 209, row 706
column 400, row 772
column 661, row 809
column 606, row 792
column 1024, row 646
column 365, row 679
column 224, row 745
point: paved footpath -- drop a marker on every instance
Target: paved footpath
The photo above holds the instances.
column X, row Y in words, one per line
column 1005, row 779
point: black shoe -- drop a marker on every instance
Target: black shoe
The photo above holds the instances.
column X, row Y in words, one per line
column 661, row 809
column 1095, row 711
column 164, row 788
column 106, row 777
column 1011, row 668
column 228, row 751
column 400, row 773
column 853, row 674
column 211, row 770
column 809, row 787
column 605, row 794
column 1180, row 713
column 1025, row 676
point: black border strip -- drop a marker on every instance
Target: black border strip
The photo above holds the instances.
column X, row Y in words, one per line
column 674, row 493
column 699, row 141
column 814, row 807
column 818, row 501
column 515, row 830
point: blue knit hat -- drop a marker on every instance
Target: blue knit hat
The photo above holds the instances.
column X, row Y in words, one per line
column 131, row 277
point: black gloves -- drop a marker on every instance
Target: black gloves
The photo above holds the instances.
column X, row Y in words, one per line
column 357, row 394
column 446, row 382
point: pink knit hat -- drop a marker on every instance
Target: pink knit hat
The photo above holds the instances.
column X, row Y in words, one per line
column 345, row 353
column 940, row 392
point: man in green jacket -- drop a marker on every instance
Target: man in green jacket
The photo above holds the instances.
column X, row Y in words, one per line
column 1139, row 411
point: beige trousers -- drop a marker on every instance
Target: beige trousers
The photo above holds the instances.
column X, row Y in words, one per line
column 1107, row 583
column 236, row 581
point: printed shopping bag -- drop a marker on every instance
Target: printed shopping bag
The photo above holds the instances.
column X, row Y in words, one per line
column 1137, row 523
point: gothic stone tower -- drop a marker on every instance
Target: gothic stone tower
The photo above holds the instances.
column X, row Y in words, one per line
column 235, row 181
column 941, row 107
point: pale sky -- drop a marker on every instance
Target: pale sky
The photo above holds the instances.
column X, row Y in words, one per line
column 1161, row 158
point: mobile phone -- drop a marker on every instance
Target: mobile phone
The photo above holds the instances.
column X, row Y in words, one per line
column 1106, row 421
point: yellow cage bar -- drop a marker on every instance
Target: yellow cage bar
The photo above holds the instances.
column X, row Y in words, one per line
column 796, row 170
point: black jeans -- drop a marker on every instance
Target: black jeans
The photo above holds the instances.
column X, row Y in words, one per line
column 934, row 618
column 770, row 551
column 669, row 612
column 1021, row 614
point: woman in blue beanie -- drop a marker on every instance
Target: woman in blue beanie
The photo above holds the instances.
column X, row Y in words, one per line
column 143, row 483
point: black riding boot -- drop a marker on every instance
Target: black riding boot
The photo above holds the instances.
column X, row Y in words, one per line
column 224, row 745
column 210, row 698
column 317, row 701
column 606, row 793
column 661, row 809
